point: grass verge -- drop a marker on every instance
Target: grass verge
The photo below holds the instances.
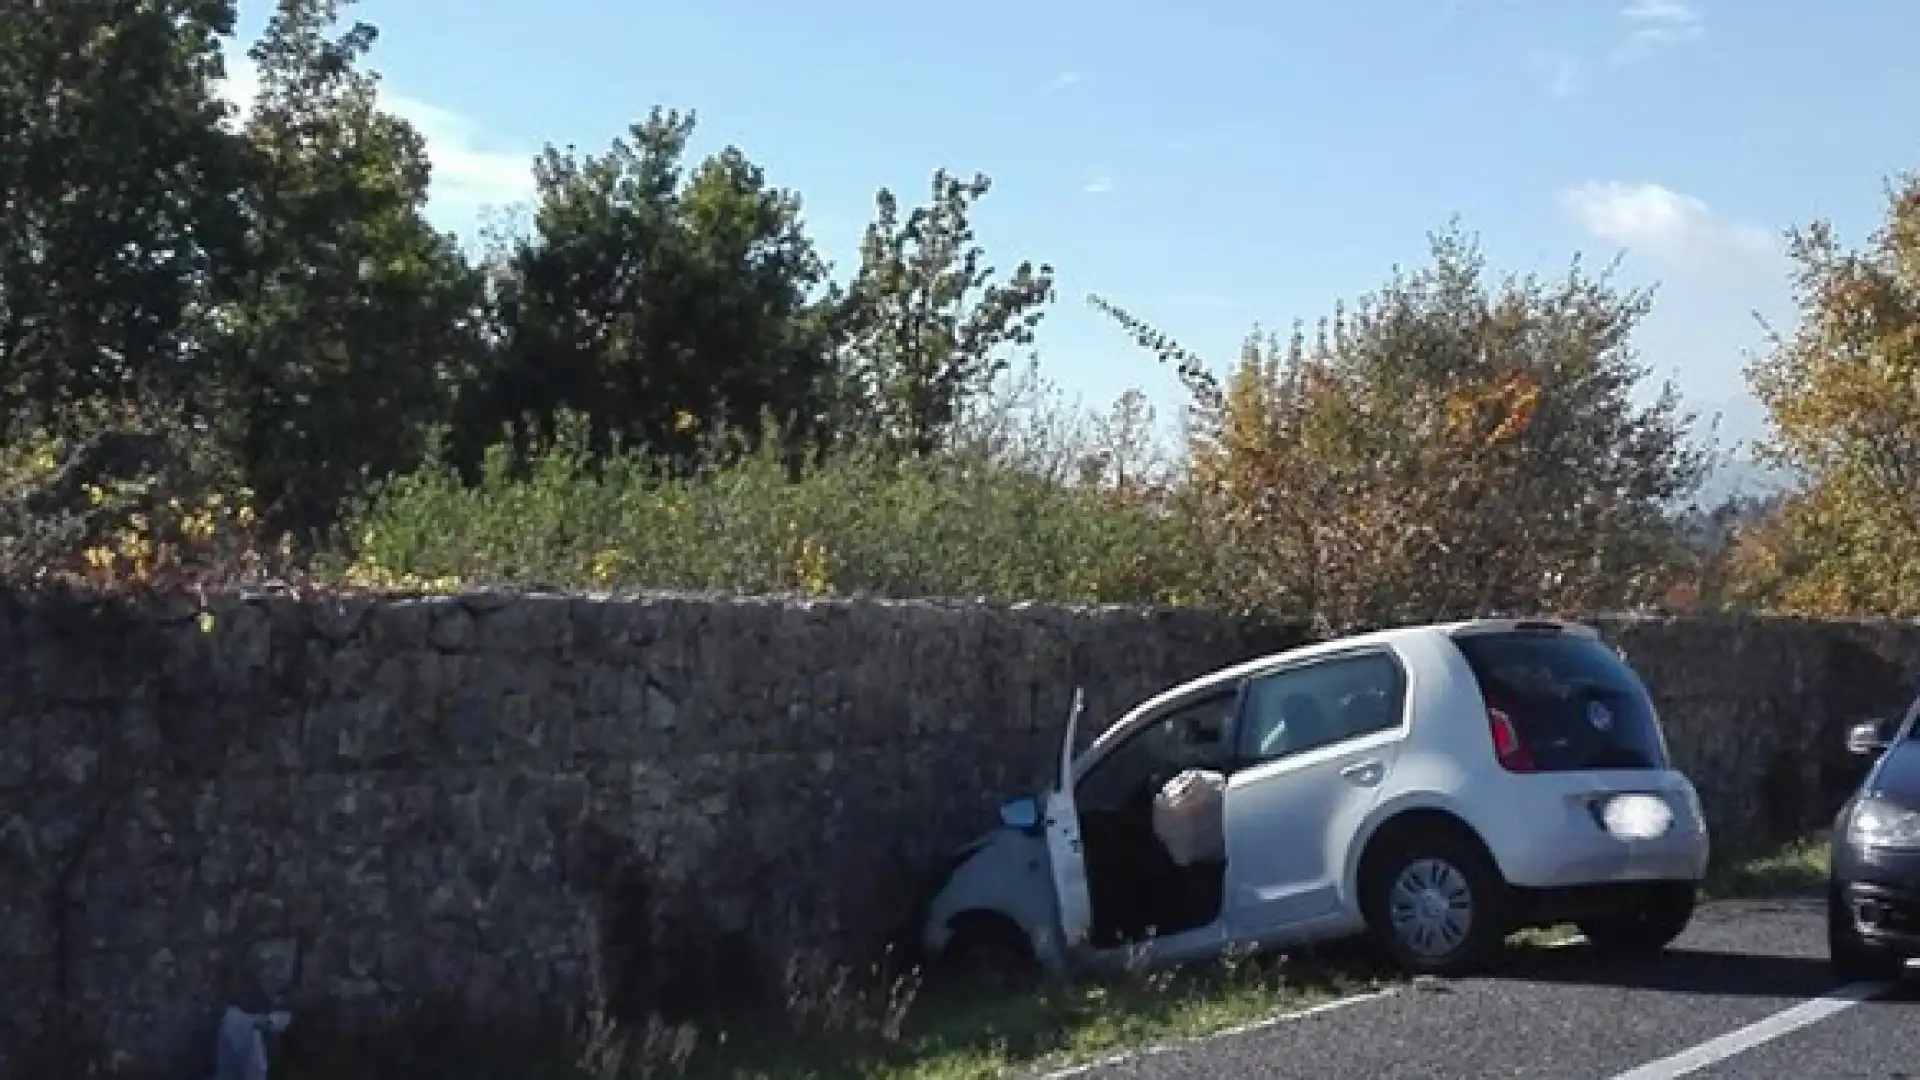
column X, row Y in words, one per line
column 1796, row 868
column 845, row 1031
column 974, row 1033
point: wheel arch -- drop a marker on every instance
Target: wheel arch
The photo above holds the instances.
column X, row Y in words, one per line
column 989, row 922
column 1410, row 816
column 1005, row 876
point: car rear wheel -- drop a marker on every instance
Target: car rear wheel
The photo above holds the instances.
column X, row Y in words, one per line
column 1852, row 957
column 1434, row 902
column 1647, row 928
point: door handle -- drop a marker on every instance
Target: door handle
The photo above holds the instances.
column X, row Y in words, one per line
column 1364, row 773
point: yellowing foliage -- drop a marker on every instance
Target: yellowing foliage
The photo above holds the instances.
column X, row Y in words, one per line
column 175, row 521
column 1450, row 445
column 813, row 567
column 366, row 571
column 1842, row 394
column 1490, row 411
column 168, row 542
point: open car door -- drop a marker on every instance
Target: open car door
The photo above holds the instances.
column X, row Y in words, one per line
column 1064, row 845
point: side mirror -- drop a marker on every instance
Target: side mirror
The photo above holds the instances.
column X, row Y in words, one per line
column 1869, row 738
column 1021, row 813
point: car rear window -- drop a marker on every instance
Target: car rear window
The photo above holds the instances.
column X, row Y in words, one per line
column 1574, row 703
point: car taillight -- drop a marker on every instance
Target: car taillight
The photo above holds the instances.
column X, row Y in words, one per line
column 1507, row 747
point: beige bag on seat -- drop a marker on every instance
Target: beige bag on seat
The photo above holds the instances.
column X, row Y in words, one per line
column 1189, row 816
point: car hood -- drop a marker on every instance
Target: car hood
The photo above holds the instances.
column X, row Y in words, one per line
column 1897, row 777
column 967, row 850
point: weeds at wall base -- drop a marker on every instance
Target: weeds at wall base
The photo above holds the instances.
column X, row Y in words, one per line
column 846, row 1026
column 1796, row 868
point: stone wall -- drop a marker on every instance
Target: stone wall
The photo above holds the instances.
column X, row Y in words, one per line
column 1756, row 710
column 369, row 804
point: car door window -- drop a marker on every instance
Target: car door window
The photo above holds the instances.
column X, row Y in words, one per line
column 1195, row 735
column 1321, row 703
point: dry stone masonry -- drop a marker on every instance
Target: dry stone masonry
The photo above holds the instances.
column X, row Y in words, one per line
column 493, row 798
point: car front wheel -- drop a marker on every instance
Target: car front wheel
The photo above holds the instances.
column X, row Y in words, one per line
column 1434, row 902
column 987, row 951
column 1647, row 928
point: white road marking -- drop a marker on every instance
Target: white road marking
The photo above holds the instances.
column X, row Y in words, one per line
column 1739, row 1041
column 1238, row 1029
column 1124, row 1056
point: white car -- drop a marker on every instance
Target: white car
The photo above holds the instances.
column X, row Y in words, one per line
column 1436, row 787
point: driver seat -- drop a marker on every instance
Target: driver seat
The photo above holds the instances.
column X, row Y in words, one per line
column 1308, row 725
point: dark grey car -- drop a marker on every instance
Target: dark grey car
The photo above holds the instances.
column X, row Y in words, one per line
column 1873, row 889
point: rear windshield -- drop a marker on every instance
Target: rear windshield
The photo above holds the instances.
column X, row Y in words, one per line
column 1575, row 704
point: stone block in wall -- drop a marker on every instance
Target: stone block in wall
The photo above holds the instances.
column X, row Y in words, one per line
column 1682, row 657
column 136, row 886
column 20, row 754
column 147, row 1005
column 1874, row 668
column 26, row 918
column 530, row 625
column 25, row 993
column 348, row 733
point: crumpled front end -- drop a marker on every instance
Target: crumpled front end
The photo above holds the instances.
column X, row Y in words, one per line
column 1004, row 873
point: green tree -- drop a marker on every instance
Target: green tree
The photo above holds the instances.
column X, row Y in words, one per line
column 925, row 326
column 1449, row 445
column 660, row 306
column 357, row 323
column 118, row 216
column 1842, row 394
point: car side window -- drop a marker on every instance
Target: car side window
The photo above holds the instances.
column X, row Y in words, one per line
column 1321, row 703
column 1195, row 735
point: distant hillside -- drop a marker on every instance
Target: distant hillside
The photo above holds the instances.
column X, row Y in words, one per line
column 1741, row 478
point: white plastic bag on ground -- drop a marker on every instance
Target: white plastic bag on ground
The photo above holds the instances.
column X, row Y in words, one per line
column 240, row 1046
column 1189, row 816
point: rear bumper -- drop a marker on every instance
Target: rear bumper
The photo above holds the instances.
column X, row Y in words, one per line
column 1565, row 847
column 1581, row 861
column 1880, row 893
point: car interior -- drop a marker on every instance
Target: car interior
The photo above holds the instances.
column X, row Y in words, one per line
column 1136, row 889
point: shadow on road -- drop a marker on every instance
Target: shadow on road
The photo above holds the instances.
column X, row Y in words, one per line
column 1678, row 971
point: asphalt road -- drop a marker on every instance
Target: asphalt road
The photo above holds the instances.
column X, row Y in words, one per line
column 1730, row 1000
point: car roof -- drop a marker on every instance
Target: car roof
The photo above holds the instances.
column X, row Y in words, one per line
column 1228, row 676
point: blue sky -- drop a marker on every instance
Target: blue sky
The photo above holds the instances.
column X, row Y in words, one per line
column 1230, row 162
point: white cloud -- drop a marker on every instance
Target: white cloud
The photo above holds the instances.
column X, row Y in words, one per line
column 1650, row 26
column 1655, row 24
column 468, row 173
column 1666, row 225
column 1098, row 184
column 1064, row 80
column 242, row 84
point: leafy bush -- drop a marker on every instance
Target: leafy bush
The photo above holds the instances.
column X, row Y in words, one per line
column 863, row 522
column 118, row 496
column 1456, row 443
column 1839, row 390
